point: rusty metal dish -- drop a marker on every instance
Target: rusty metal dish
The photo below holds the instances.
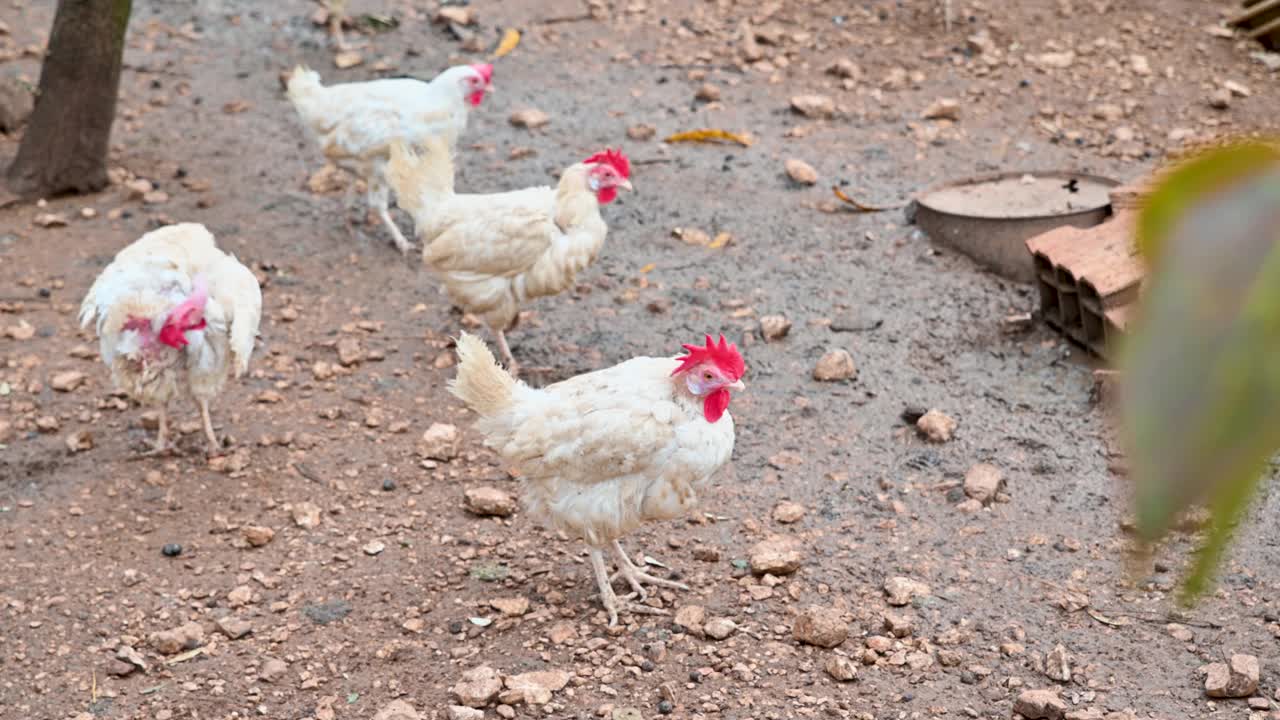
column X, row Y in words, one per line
column 990, row 217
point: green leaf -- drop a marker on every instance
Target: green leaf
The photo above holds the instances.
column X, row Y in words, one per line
column 1202, row 385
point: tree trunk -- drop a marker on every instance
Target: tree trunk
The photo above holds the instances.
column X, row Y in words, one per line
column 69, row 133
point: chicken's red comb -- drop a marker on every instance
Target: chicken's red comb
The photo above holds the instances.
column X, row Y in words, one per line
column 485, row 71
column 724, row 355
column 615, row 158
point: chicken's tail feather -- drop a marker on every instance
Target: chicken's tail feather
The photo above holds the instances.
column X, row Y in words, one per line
column 420, row 177
column 481, row 383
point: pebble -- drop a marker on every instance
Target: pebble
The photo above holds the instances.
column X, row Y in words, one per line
column 233, row 627
column 835, row 365
column 1236, row 88
column 1057, row 664
column 529, row 118
column 901, row 591
column 814, row 106
column 560, row 633
column 665, row 707
column 1220, row 99
column 401, row 710
column 983, row 483
column 942, row 109
column 513, row 607
column 171, row 550
column 439, row 442
column 820, row 626
column 707, row 93
column 1040, row 705
column 1181, row 633
column 1108, row 112
column 478, row 687
column 67, row 381
column 774, row 327
column 388, row 485
column 1055, row 60
column 490, row 501
column 936, row 426
column 348, row 59
column 845, row 68
column 898, row 626
column 374, row 547
column 240, row 596
column 719, row 628
column 800, row 171
column 79, row 441
column 171, row 642
column 257, row 535
column 1234, row 679
column 462, row 712
column 273, row 669
column 349, row 351
column 788, row 512
column 534, row 688
column 775, row 556
column 306, row 515
column 841, row 669
column 641, row 132
column 691, row 618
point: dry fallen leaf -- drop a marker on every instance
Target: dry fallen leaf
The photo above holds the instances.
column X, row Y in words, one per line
column 235, row 106
column 721, row 240
column 648, row 268
column 348, row 59
column 859, row 207
column 709, row 135
column 510, row 39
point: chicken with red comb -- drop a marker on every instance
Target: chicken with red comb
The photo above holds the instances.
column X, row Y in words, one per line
column 495, row 252
column 601, row 453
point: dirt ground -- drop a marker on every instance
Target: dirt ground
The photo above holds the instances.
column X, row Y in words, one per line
column 373, row 599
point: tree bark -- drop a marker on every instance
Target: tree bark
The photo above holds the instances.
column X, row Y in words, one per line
column 69, row 133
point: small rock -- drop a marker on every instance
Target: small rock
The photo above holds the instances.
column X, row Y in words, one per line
column 1181, row 633
column 788, row 512
column 233, row 627
column 981, row 43
column 1054, row 60
column 942, row 109
column 490, row 501
column 50, row 220
column 1141, row 66
column 1108, row 112
column 936, row 426
column 1220, row 99
column 835, row 365
column 691, row 618
column 775, row 556
column 1057, row 664
column 478, row 687
column 462, row 712
column 401, row 710
column 1236, row 88
column 374, row 547
column 128, row 655
column 328, row 179
column 534, row 688
column 77, row 441
column 120, row 668
column 257, row 535
column 439, row 442
column 240, row 596
column 719, row 628
column 801, row 171
column 456, row 14
column 707, row 93
column 814, row 106
column 1040, row 705
column 983, row 482
column 1012, row 649
column 347, row 59
column 1235, row 679
column 171, row 642
column 349, row 351
column 273, row 670
column 819, row 626
column 171, row 550
column 845, row 68
column 66, row 381
column 560, row 633
column 529, row 118
column 16, row 103
column 774, row 327
column 306, row 515
column 641, row 132
column 898, row 625
column 513, row 607
column 841, row 668
column 1259, row 703
column 901, row 591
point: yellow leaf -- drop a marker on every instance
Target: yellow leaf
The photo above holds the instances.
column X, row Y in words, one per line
column 648, row 268
column 510, row 39
column 859, row 207
column 721, row 240
column 709, row 135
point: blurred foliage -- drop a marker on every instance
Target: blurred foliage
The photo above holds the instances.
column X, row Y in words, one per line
column 1201, row 370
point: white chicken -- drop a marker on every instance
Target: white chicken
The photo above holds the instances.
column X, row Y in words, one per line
column 603, row 452
column 175, row 316
column 355, row 123
column 497, row 251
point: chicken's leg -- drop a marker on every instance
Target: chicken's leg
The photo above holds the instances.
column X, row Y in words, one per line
column 215, row 446
column 512, row 367
column 161, row 444
column 609, row 598
column 635, row 576
column 379, row 196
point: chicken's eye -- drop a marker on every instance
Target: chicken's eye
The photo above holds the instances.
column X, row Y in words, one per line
column 707, row 375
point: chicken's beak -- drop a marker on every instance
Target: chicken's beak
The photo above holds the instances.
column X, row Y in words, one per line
column 489, row 88
column 626, row 184
column 738, row 385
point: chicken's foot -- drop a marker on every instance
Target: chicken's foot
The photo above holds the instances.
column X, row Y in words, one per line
column 161, row 444
column 635, row 576
column 215, row 445
column 512, row 367
column 612, row 603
